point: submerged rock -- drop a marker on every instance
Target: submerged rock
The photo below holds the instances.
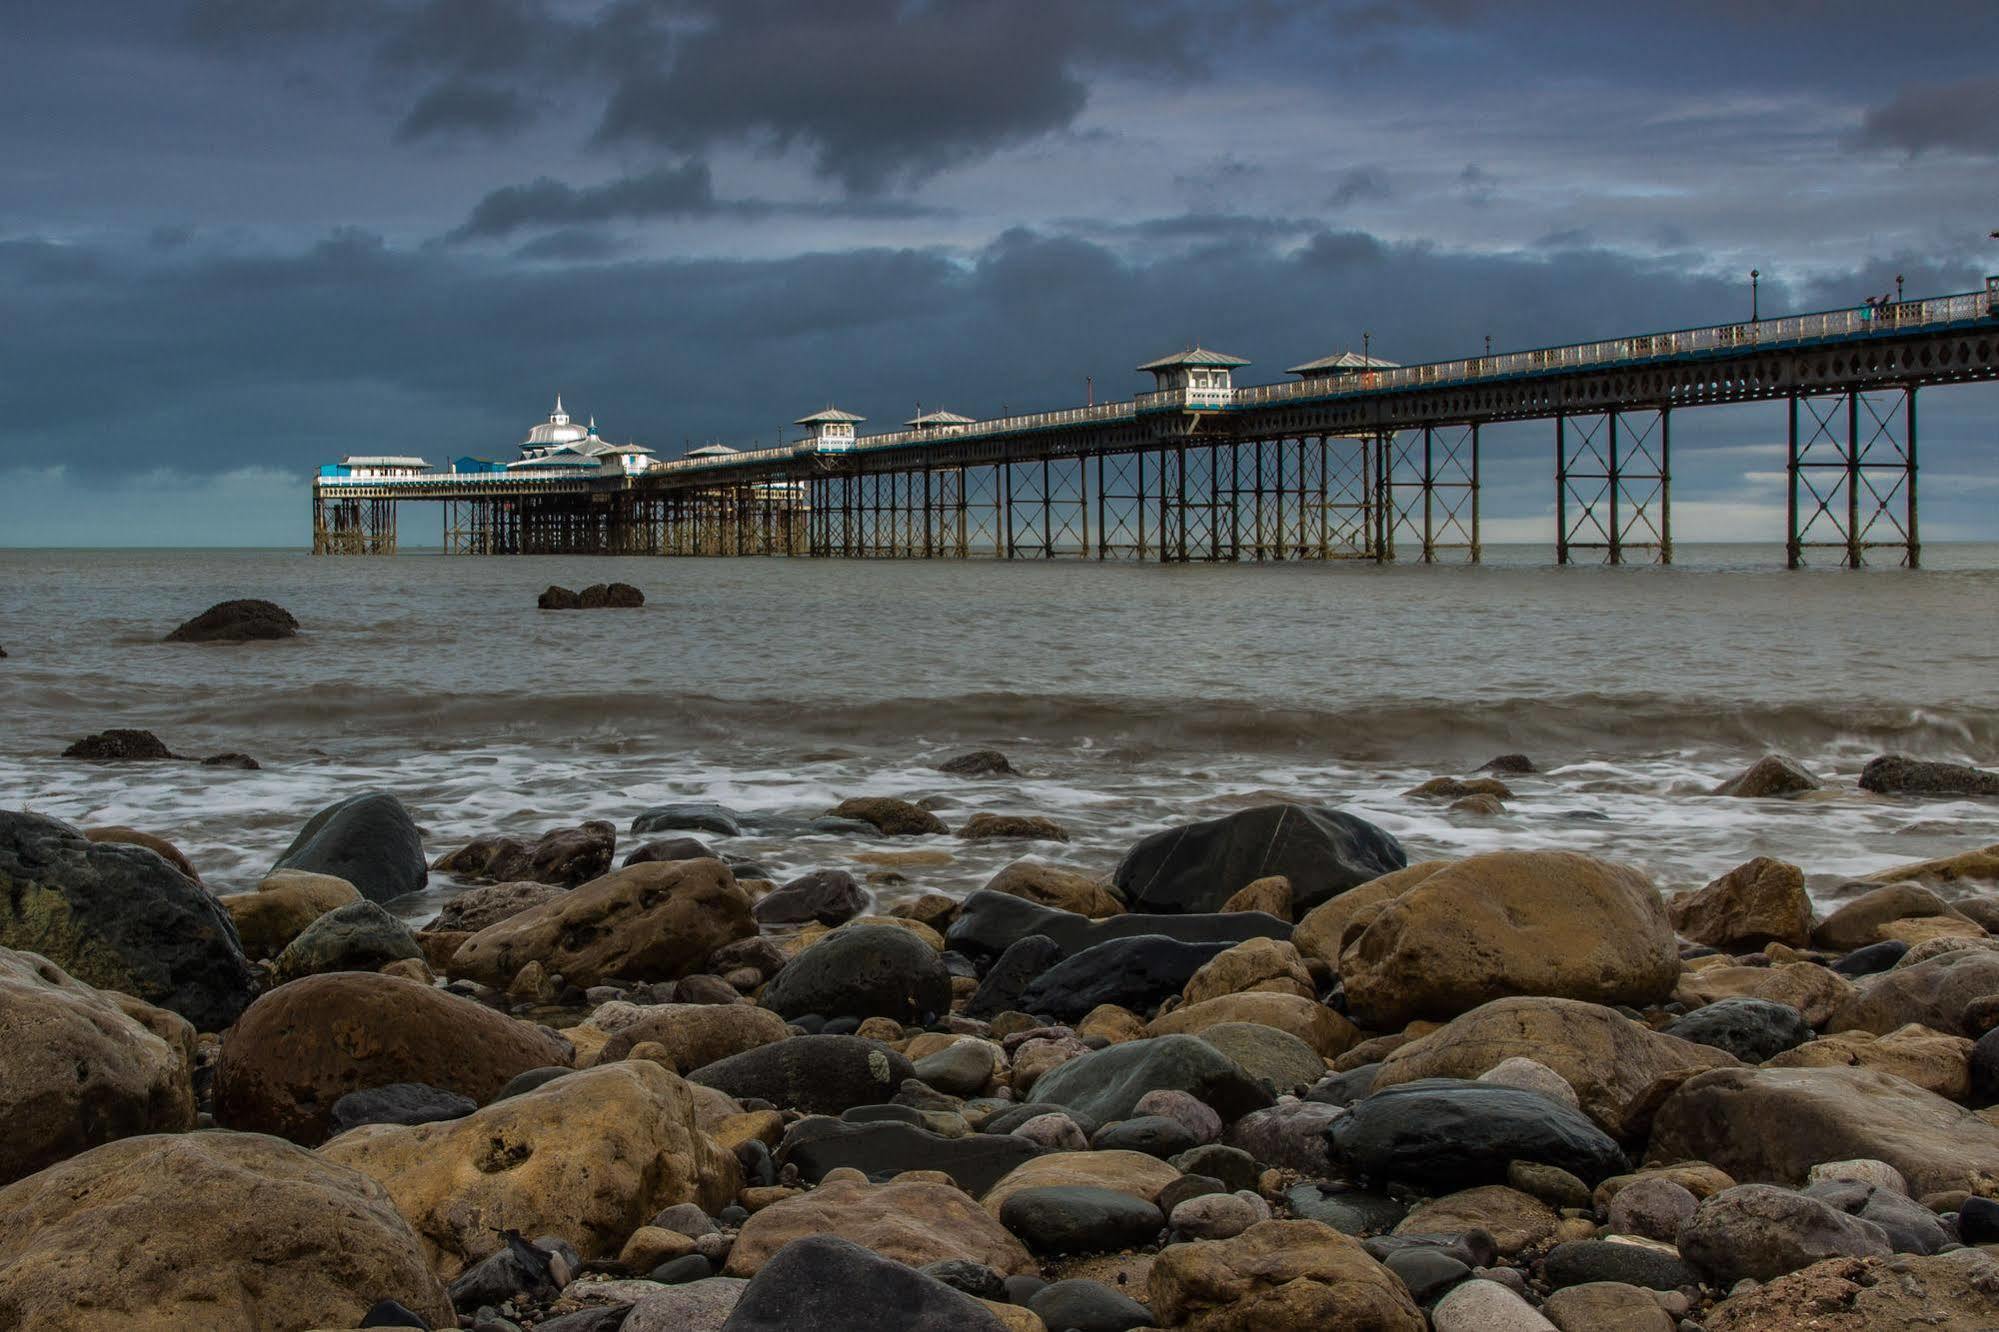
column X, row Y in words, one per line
column 237, row 622
column 1198, row 866
column 979, row 763
column 890, row 817
column 563, row 856
column 120, row 746
column 1897, row 774
column 688, row 816
column 118, row 917
column 1771, row 775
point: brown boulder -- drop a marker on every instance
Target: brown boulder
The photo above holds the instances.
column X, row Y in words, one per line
column 563, row 856
column 282, row 906
column 1279, row 1276
column 1772, row 1125
column 1054, row 886
column 1980, row 866
column 1870, row 917
column 591, row 1157
column 303, row 1046
column 1950, row 1292
column 1262, row 965
column 1515, row 1220
column 1553, row 923
column 692, row 1035
column 1815, row 991
column 1934, row 993
column 1329, row 1034
column 1132, row 1173
column 1621, row 1070
column 1933, row 1061
column 656, row 921
column 1458, row 788
column 153, row 842
column 1324, row 932
column 76, row 1070
column 238, row 621
column 475, row 909
column 1029, row 827
column 891, row 817
column 911, row 1221
column 205, row 1232
column 1746, row 908
column 1270, row 895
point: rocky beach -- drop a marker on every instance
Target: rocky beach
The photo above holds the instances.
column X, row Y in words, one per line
column 981, row 1037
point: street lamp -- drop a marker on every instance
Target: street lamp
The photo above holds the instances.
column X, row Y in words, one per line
column 1366, row 343
column 1898, row 288
column 1488, row 344
column 1755, row 305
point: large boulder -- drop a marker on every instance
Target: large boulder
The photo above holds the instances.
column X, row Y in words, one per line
column 829, row 1284
column 1813, row 991
column 1951, row 1292
column 303, row 1046
column 656, row 921
column 1898, row 774
column 693, row 1035
column 120, row 745
column 1325, row 1031
column 1772, row 1125
column 118, row 917
column 862, row 971
column 989, row 923
column 1554, row 923
column 1058, row 887
column 1760, row 1231
column 1760, row 902
column 238, row 621
column 1770, row 776
column 1980, row 866
column 370, row 840
column 361, row 936
column 1107, row 1084
column 1325, row 931
column 1279, row 1276
column 821, row 1075
column 1252, row 966
column 1752, row 1030
column 562, row 856
column 1135, row 973
column 589, row 1157
column 1445, row 1134
column 1134, row 1174
column 1934, row 993
column 911, row 1221
column 77, row 1070
column 1889, row 912
column 1930, row 1059
column 1198, row 866
column 1621, row 1070
column 205, row 1232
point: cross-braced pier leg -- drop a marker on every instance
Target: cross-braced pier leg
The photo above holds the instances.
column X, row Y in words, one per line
column 1852, row 474
column 1613, row 484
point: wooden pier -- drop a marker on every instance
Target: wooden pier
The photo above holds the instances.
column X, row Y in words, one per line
column 1364, row 463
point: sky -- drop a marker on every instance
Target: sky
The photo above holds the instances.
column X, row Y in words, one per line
column 239, row 238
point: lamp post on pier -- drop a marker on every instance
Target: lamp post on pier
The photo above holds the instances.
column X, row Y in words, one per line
column 1755, row 305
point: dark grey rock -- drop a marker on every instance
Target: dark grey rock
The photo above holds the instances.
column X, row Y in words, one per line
column 399, row 1103
column 361, row 936
column 1872, row 959
column 975, row 1279
column 974, row 1162
column 962, row 1069
column 528, row 1081
column 679, row 1271
column 1135, row 973
column 1185, row 1187
column 688, row 816
column 1081, row 1305
column 120, row 917
column 1428, row 1273
column 1198, row 866
column 979, row 763
column 831, row 897
column 1107, row 1084
column 1910, row 1226
column 676, row 848
column 607, row 1319
column 1006, row 1121
column 1234, row 1167
column 393, row 1313
column 1343, row 1089
column 238, row 621
column 370, row 840
column 821, row 1075
column 1898, row 774
column 1763, row 1231
column 1474, row 1248
column 1018, row 967
column 831, row 1285
column 120, row 745
column 990, row 922
column 1349, row 1210
column 863, row 971
column 1985, row 1069
column 517, row 1268
column 1080, row 1220
column 1154, row 1135
column 1290, row 1135
column 1752, row 1030
column 1449, row 1133
column 1579, row 1262
column 1978, row 1221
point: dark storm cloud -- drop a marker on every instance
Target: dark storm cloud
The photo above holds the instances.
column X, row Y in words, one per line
column 1962, row 116
column 464, row 106
column 666, row 192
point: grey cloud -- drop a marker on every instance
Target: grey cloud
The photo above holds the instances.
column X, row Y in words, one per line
column 1359, row 183
column 665, row 192
column 465, row 106
column 1961, row 117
